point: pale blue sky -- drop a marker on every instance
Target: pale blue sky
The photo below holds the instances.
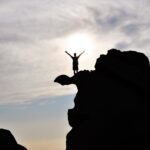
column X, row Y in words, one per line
column 43, row 121
column 33, row 37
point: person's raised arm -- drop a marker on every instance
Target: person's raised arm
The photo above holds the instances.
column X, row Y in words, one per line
column 81, row 54
column 69, row 54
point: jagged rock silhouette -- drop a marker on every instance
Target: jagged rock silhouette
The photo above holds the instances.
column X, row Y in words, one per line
column 112, row 105
column 63, row 80
column 8, row 142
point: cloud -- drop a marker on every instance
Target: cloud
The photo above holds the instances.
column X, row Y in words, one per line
column 32, row 35
column 122, row 45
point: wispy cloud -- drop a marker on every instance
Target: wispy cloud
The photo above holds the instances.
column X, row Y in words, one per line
column 32, row 35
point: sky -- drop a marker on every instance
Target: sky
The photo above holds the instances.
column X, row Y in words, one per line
column 34, row 36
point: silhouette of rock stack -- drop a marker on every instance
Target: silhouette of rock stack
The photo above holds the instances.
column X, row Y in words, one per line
column 112, row 105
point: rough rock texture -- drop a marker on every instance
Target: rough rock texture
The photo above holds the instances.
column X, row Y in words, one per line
column 8, row 142
column 112, row 105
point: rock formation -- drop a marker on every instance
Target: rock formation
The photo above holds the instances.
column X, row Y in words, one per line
column 8, row 142
column 112, row 105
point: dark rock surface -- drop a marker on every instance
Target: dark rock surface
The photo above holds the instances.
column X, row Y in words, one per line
column 8, row 142
column 112, row 105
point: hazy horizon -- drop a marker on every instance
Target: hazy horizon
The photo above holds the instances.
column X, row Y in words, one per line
column 34, row 37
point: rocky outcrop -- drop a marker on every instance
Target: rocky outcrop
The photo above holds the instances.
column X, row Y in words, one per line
column 112, row 105
column 8, row 142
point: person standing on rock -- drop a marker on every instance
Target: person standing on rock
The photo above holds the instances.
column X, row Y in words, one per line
column 75, row 61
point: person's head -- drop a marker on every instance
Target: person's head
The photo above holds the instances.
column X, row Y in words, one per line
column 75, row 54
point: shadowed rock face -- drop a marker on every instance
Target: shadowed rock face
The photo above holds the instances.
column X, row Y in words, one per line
column 112, row 105
column 8, row 142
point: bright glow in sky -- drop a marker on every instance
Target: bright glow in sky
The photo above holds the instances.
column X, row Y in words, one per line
column 78, row 42
column 34, row 37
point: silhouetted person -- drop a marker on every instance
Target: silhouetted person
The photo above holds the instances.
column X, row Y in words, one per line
column 8, row 142
column 75, row 61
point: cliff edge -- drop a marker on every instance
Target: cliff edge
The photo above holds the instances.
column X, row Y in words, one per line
column 112, row 105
